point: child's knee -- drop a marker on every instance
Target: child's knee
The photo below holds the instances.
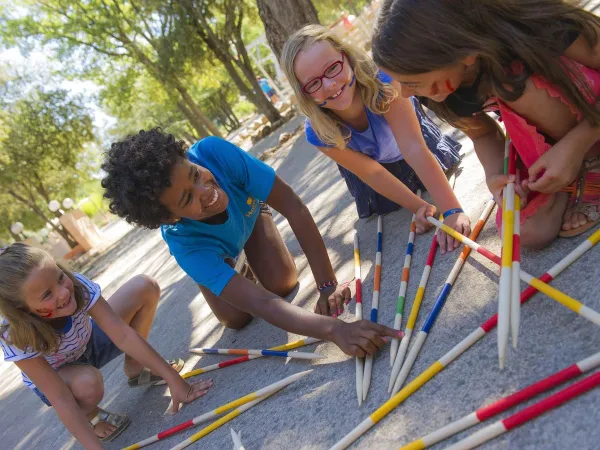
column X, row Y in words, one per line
column 147, row 287
column 238, row 322
column 87, row 386
column 536, row 236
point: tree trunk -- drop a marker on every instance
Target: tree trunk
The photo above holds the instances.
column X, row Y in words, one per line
column 192, row 119
column 282, row 18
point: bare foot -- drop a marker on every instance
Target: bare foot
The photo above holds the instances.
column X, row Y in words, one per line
column 101, row 429
column 573, row 218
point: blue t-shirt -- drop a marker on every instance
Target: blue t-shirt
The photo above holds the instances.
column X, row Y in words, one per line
column 377, row 141
column 264, row 85
column 199, row 248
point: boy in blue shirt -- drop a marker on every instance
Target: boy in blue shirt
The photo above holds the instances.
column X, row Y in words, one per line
column 208, row 202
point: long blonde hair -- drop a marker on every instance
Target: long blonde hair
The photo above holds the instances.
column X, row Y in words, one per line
column 375, row 94
column 26, row 330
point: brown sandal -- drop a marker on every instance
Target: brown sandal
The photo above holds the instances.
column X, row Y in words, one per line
column 120, row 421
column 146, row 377
column 577, row 191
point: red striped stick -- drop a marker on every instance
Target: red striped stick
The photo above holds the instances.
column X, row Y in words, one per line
column 504, row 404
column 529, row 413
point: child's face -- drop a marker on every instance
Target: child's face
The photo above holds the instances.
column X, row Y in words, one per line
column 335, row 93
column 194, row 193
column 48, row 292
column 436, row 85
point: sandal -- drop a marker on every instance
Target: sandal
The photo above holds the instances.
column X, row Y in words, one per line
column 578, row 190
column 146, row 376
column 120, row 421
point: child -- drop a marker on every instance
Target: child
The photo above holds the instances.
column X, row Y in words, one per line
column 59, row 331
column 355, row 117
column 534, row 61
column 268, row 90
column 208, row 202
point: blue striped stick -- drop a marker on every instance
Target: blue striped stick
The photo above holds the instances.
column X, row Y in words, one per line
column 403, row 285
column 266, row 352
column 374, row 306
column 437, row 307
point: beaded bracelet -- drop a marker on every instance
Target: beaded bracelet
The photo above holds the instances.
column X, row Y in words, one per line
column 326, row 285
column 452, row 211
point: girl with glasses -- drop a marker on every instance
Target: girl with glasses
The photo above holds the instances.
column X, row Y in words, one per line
column 385, row 147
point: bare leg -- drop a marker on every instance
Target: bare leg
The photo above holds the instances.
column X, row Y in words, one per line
column 269, row 258
column 541, row 229
column 135, row 302
column 87, row 386
column 271, row 263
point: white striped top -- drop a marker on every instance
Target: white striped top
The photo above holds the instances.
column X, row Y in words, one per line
column 73, row 342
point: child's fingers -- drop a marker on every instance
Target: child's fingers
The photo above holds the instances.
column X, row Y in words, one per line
column 335, row 306
column 442, row 241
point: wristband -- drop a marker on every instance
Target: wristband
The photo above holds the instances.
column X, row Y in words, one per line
column 452, row 211
column 326, row 285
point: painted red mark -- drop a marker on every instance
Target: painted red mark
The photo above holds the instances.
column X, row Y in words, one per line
column 449, row 86
column 44, row 312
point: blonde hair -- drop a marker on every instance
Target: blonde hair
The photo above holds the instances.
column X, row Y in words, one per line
column 375, row 94
column 26, row 330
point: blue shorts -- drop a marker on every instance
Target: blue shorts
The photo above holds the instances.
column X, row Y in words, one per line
column 100, row 350
column 271, row 93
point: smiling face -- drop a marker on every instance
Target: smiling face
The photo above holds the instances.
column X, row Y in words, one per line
column 335, row 93
column 437, row 84
column 194, row 192
column 48, row 292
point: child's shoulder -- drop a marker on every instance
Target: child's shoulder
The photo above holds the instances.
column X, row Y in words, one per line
column 211, row 149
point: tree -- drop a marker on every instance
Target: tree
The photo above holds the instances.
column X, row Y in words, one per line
column 282, row 18
column 100, row 32
column 41, row 151
column 218, row 23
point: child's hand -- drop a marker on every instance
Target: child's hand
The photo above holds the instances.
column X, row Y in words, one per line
column 459, row 222
column 332, row 304
column 363, row 337
column 555, row 169
column 421, row 222
column 496, row 184
column 184, row 392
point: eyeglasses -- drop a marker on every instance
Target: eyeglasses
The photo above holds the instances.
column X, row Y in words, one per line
column 332, row 71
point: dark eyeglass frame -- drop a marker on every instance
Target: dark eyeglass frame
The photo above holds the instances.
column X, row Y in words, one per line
column 340, row 62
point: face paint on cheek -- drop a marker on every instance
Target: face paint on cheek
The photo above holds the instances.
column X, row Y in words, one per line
column 322, row 104
column 449, row 86
column 44, row 312
column 352, row 81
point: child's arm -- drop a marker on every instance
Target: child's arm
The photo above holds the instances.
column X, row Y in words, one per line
column 561, row 164
column 54, row 388
column 405, row 126
column 132, row 344
column 376, row 176
column 356, row 339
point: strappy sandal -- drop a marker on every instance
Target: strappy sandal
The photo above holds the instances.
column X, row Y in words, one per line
column 578, row 190
column 146, row 377
column 119, row 421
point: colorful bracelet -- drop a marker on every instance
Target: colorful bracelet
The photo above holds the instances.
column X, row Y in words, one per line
column 326, row 285
column 452, row 211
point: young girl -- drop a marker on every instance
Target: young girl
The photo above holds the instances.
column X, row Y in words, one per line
column 355, row 117
column 59, row 331
column 536, row 62
column 210, row 205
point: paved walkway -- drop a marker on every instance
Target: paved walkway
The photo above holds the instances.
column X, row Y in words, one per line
column 316, row 412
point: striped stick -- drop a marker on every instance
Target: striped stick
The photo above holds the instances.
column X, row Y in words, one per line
column 404, row 284
column 506, row 403
column 459, row 348
column 414, row 312
column 374, row 305
column 441, row 300
column 529, row 413
column 237, row 441
column 243, row 359
column 360, row 362
column 217, row 423
column 505, row 285
column 241, row 351
column 515, row 304
column 555, row 294
column 268, row 390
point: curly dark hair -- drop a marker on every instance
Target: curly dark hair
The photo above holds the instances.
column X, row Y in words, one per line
column 138, row 170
